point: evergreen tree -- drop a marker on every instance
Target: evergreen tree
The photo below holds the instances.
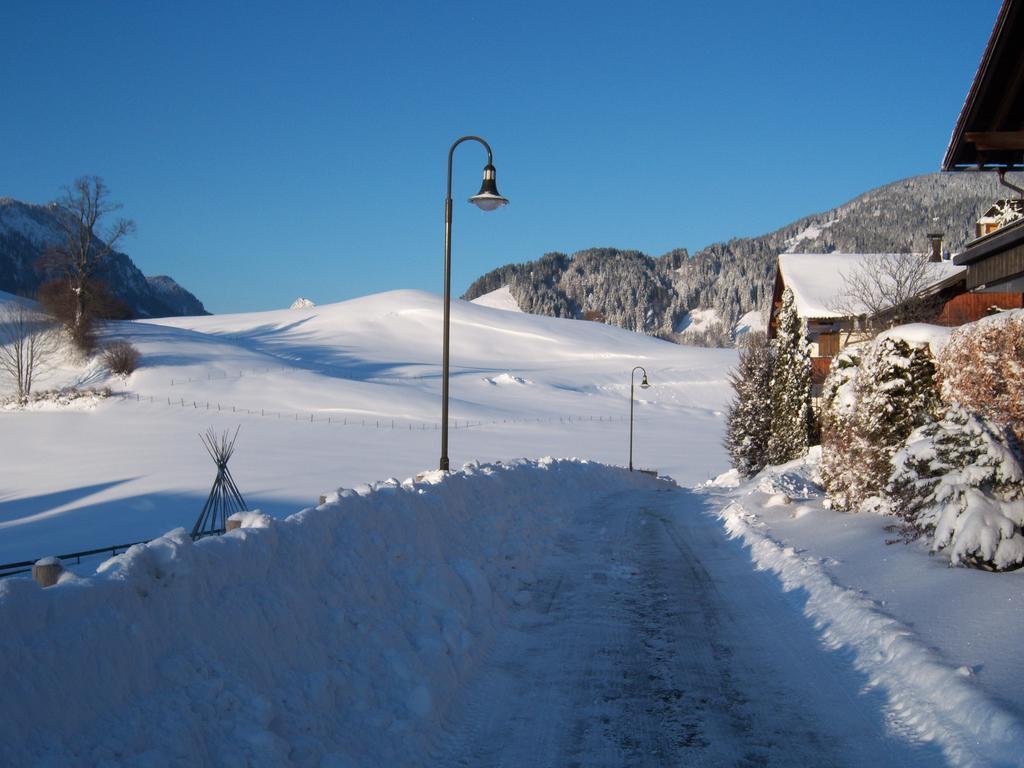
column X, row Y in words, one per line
column 749, row 418
column 957, row 480
column 895, row 394
column 870, row 405
column 790, row 390
column 840, row 447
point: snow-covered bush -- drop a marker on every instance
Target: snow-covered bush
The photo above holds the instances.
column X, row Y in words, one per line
column 56, row 398
column 749, row 420
column 957, row 480
column 870, row 404
column 982, row 367
column 790, row 390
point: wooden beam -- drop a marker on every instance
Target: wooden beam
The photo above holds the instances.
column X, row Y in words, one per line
column 996, row 139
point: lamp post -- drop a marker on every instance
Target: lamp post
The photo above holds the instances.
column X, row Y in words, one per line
column 487, row 199
column 643, row 385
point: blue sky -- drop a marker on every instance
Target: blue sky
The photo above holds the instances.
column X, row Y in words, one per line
column 268, row 151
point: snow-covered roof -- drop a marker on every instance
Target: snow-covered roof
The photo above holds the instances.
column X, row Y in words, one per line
column 935, row 336
column 1003, row 212
column 818, row 280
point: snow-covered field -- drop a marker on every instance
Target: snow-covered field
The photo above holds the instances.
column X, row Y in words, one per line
column 625, row 620
column 367, row 372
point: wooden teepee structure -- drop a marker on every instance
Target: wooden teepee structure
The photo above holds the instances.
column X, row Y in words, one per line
column 225, row 499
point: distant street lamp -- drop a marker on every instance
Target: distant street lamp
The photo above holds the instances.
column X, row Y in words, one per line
column 487, row 199
column 643, row 385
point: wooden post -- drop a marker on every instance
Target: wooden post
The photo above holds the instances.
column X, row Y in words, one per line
column 47, row 571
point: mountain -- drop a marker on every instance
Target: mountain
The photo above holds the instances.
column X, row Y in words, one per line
column 658, row 295
column 180, row 301
column 26, row 230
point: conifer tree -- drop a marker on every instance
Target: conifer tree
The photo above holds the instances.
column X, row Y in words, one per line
column 790, row 391
column 957, row 480
column 749, row 418
column 840, row 447
column 867, row 413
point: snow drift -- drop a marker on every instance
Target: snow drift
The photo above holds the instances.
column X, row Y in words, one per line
column 335, row 637
column 910, row 629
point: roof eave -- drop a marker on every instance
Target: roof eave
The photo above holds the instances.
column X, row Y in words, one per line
column 958, row 139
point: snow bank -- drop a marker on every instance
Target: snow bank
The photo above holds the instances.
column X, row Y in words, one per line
column 932, row 699
column 335, row 637
column 504, row 379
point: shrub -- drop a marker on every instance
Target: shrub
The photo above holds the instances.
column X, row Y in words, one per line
column 121, row 358
column 982, row 367
column 957, row 480
column 59, row 299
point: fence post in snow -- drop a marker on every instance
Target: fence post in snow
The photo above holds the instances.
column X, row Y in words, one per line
column 47, row 571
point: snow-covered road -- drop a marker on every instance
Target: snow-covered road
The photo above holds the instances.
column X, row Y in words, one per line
column 648, row 639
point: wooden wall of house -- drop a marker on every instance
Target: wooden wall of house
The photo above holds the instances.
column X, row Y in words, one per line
column 968, row 307
column 994, row 268
column 819, row 370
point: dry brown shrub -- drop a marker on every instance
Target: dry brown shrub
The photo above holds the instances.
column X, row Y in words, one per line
column 121, row 358
column 982, row 368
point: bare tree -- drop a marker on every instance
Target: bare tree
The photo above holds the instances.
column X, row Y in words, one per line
column 27, row 341
column 889, row 289
column 88, row 242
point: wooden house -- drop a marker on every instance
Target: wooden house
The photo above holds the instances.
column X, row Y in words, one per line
column 989, row 135
column 988, row 276
column 819, row 285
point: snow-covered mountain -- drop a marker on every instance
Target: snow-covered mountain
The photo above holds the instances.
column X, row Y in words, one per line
column 26, row 230
column 655, row 295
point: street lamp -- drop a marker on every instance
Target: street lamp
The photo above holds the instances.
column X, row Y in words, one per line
column 487, row 199
column 643, row 385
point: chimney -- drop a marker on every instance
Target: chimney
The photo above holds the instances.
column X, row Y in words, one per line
column 936, row 238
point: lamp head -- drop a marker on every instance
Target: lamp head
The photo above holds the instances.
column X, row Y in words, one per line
column 488, row 199
column 644, row 384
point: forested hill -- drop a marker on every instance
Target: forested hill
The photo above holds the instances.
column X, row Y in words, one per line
column 654, row 294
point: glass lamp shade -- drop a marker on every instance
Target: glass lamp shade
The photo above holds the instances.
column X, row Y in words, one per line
column 644, row 384
column 488, row 198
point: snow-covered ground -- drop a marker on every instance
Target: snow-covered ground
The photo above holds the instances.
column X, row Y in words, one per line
column 698, row 320
column 367, row 373
column 750, row 322
column 934, row 640
column 500, row 298
column 550, row 612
